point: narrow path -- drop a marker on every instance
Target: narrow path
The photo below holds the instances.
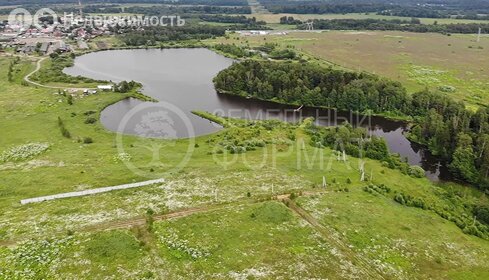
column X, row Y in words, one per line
column 140, row 221
column 329, row 234
column 38, row 67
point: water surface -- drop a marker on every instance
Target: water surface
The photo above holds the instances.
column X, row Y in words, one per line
column 183, row 77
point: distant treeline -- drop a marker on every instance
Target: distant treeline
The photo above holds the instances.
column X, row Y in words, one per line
column 231, row 19
column 152, row 35
column 319, row 7
column 412, row 25
column 202, row 2
column 429, row 13
column 236, row 22
column 182, row 10
column 172, row 2
column 444, row 125
column 156, row 10
column 444, row 9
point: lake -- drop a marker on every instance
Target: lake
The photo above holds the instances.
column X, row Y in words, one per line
column 183, row 78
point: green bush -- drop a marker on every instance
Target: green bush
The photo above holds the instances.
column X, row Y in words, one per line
column 65, row 132
column 90, row 120
column 69, row 100
column 87, row 140
column 416, row 171
column 63, row 129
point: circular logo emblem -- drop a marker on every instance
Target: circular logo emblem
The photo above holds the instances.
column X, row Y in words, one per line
column 43, row 13
column 20, row 18
column 158, row 126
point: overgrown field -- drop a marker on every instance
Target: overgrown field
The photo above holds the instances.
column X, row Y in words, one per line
column 455, row 65
column 275, row 18
column 240, row 229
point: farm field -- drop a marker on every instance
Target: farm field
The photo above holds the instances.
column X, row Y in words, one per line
column 275, row 18
column 454, row 64
column 276, row 242
column 218, row 216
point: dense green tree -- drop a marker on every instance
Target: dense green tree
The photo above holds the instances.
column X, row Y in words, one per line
column 463, row 159
column 446, row 126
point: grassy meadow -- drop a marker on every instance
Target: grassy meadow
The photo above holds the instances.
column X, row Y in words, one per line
column 275, row 18
column 240, row 229
column 453, row 64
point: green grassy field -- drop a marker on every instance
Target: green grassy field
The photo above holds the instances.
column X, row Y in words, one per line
column 453, row 64
column 275, row 18
column 239, row 230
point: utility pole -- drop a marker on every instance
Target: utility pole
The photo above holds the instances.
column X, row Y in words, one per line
column 81, row 8
column 362, row 171
column 479, row 35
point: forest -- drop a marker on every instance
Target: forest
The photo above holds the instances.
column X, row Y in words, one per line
column 157, row 10
column 173, row 2
column 183, row 10
column 413, row 25
column 445, row 126
column 231, row 19
column 154, row 34
column 318, row 7
column 236, row 22
column 444, row 9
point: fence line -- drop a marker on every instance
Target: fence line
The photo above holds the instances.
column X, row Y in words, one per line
column 90, row 192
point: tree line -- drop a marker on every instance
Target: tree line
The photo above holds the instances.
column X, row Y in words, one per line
column 461, row 8
column 231, row 19
column 444, row 125
column 318, row 7
column 413, row 25
column 154, row 34
column 158, row 10
column 172, row 2
column 236, row 22
column 186, row 10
